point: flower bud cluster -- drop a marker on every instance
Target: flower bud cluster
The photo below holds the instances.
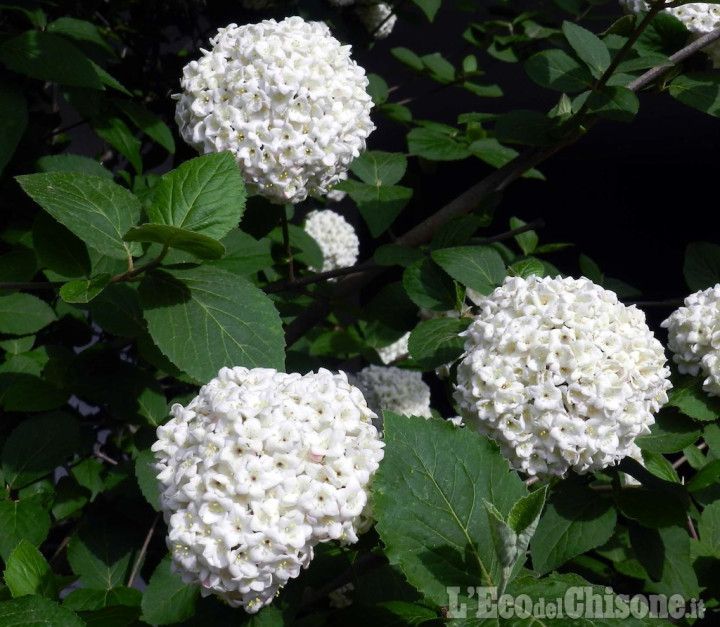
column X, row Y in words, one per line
column 395, row 389
column 285, row 98
column 336, row 238
column 560, row 374
column 259, row 468
column 694, row 337
column 698, row 17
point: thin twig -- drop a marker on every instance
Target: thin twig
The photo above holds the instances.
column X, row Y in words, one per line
column 143, row 550
column 288, row 247
column 691, row 529
column 99, row 454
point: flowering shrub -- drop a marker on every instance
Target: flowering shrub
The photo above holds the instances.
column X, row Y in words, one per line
column 197, row 352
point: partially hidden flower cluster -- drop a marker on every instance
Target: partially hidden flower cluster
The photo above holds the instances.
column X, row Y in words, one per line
column 395, row 389
column 694, row 337
column 256, row 470
column 336, row 238
column 560, row 374
column 285, row 98
column 698, row 17
column 378, row 18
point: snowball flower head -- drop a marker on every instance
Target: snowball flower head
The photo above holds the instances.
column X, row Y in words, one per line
column 378, row 18
column 395, row 389
column 560, row 374
column 256, row 470
column 395, row 351
column 285, row 98
column 698, row 17
column 694, row 337
column 336, row 238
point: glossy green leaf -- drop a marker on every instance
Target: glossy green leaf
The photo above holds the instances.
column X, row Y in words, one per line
column 73, row 163
column 671, row 433
column 99, row 212
column 35, row 611
column 27, row 572
column 705, row 477
column 588, row 47
column 37, row 446
column 84, row 34
column 689, row 397
column 555, row 69
column 147, row 122
column 435, row 145
column 116, row 133
column 21, row 520
column 13, row 120
column 527, row 267
column 49, row 57
column 575, row 520
column 205, row 195
column 375, row 167
column 205, row 318
column 702, row 265
column 434, row 343
column 699, row 90
column 167, row 599
column 660, row 466
column 478, row 267
column 428, row 286
column 435, row 475
column 196, row 244
column 84, row 290
column 21, row 314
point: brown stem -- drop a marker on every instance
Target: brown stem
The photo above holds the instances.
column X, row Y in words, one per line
column 143, row 550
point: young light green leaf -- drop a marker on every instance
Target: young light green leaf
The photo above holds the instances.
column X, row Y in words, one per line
column 36, row 611
column 49, row 57
column 205, row 195
column 702, row 265
column 21, row 520
column 21, row 314
column 13, row 120
column 167, row 599
column 575, row 520
column 148, row 123
column 699, row 90
column 478, row 267
column 434, row 343
column 205, row 318
column 98, row 211
column 27, row 572
column 555, row 69
column 37, row 446
column 84, row 290
column 435, row 474
column 377, row 168
column 116, row 133
column 201, row 246
column 588, row 47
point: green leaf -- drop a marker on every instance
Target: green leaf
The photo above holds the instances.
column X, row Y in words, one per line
column 705, row 477
column 116, row 133
column 98, row 211
column 27, row 572
column 70, row 497
column 428, row 286
column 205, row 318
column 524, row 127
column 611, row 102
column 21, row 314
column 377, row 88
column 167, row 599
column 527, row 267
column 148, row 123
column 244, row 254
column 13, row 120
column 651, row 509
column 205, row 195
column 147, row 478
column 709, row 527
column 665, row 34
column 395, row 255
column 699, row 90
column 659, row 466
column 58, row 248
column 85, row 34
column 478, row 267
column 671, row 433
column 435, row 475
column 688, row 396
column 408, row 57
column 49, row 57
column 375, row 167
column 555, row 69
column 492, row 152
column 588, row 47
column 21, row 520
column 435, row 145
column 702, row 265
column 434, row 343
column 528, row 240
column 102, row 555
column 90, row 599
column 35, row 611
column 440, row 68
column 37, row 446
column 575, row 520
column 84, row 290
column 379, row 205
column 201, row 246
column 117, row 310
column 73, row 163
column 429, row 7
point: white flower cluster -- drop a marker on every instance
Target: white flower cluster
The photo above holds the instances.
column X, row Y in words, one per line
column 285, row 98
column 396, row 351
column 560, row 374
column 378, row 18
column 694, row 337
column 698, row 17
column 401, row 391
column 259, row 468
column 336, row 238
